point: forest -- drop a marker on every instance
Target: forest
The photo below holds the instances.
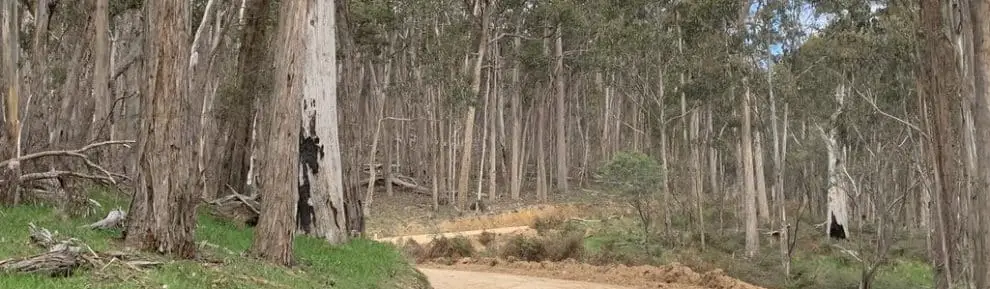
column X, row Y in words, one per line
column 866, row 123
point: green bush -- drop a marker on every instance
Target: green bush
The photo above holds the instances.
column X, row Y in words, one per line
column 454, row 248
column 633, row 177
column 524, row 248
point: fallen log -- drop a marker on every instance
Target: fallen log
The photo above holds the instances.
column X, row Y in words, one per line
column 401, row 181
column 114, row 219
column 60, row 263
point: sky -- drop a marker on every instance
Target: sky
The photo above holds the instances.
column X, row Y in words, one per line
column 810, row 22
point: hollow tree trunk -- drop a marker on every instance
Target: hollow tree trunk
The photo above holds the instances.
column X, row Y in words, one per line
column 837, row 217
column 319, row 151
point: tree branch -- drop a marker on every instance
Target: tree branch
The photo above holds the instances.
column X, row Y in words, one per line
column 107, row 177
column 877, row 108
column 77, row 152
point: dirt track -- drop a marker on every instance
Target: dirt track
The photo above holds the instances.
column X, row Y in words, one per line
column 487, row 273
column 450, row 279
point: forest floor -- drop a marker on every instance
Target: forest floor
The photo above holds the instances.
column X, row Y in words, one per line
column 586, row 237
column 221, row 262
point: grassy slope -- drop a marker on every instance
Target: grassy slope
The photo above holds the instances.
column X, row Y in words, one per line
column 358, row 264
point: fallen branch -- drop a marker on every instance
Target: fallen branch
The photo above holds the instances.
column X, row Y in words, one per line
column 399, row 181
column 57, row 174
column 114, row 219
column 41, row 236
column 77, row 153
column 54, row 263
column 249, row 201
column 63, row 257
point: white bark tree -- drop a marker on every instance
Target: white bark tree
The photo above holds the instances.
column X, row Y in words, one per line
column 320, row 166
column 837, row 222
column 749, row 198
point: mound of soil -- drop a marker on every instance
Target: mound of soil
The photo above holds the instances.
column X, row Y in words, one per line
column 675, row 276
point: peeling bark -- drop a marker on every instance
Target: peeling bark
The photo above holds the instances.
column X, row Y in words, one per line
column 163, row 211
column 319, row 151
column 278, row 134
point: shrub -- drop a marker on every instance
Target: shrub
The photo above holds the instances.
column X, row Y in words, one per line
column 456, row 247
column 412, row 249
column 633, row 176
column 564, row 245
column 557, row 246
column 524, row 248
column 611, row 252
column 486, row 238
column 544, row 224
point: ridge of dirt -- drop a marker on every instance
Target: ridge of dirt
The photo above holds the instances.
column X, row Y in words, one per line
column 454, row 279
column 673, row 276
column 426, row 238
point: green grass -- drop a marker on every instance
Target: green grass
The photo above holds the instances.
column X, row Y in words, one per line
column 360, row 263
column 825, row 271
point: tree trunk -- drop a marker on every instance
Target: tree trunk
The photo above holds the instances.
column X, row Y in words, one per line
column 279, row 135
column 561, row 112
column 496, row 99
column 321, row 192
column 541, row 158
column 469, row 116
column 980, row 16
column 516, row 107
column 101, row 73
column 697, row 183
column 162, row 214
column 837, row 219
column 939, row 76
column 10, row 193
column 761, row 181
column 749, row 198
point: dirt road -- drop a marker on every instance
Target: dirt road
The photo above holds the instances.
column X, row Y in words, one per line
column 449, row 279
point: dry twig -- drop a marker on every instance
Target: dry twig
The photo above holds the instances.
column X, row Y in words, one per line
column 107, row 176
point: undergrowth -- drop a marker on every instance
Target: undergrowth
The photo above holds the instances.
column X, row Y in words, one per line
column 360, row 263
column 816, row 263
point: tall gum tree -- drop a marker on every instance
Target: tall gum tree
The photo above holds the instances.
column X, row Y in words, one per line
column 980, row 17
column 163, row 211
column 279, row 117
column 939, row 87
column 321, row 191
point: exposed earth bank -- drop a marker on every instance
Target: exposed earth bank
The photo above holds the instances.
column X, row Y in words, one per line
column 673, row 276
